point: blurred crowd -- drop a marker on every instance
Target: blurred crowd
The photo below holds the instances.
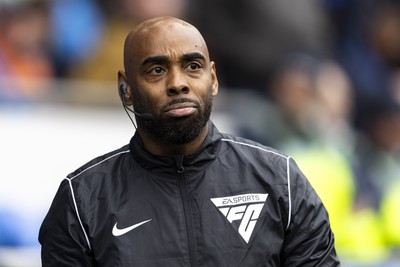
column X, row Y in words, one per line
column 322, row 79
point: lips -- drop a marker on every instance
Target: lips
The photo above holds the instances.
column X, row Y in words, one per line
column 181, row 109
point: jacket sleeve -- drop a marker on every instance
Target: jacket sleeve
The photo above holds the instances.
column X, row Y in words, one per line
column 309, row 240
column 61, row 235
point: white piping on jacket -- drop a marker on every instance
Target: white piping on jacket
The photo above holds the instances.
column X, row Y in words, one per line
column 98, row 163
column 289, row 192
column 287, row 171
column 73, row 194
column 77, row 214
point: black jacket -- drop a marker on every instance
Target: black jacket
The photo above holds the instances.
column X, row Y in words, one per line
column 233, row 203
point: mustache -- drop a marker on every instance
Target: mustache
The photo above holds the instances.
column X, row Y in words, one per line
column 180, row 100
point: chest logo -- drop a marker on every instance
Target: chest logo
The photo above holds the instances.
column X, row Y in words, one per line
column 242, row 211
column 118, row 232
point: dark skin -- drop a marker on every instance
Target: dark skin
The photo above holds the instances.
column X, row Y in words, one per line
column 165, row 59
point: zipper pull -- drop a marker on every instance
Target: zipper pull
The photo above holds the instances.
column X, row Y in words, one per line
column 179, row 164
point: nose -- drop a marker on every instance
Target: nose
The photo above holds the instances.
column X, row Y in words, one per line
column 176, row 82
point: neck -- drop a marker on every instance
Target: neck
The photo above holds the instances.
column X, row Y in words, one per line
column 158, row 148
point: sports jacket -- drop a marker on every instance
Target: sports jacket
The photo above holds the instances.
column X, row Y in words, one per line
column 233, row 203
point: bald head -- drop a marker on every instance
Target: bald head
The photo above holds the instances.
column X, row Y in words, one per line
column 157, row 22
column 161, row 30
column 169, row 75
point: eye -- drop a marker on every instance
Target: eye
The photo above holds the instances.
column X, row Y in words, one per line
column 156, row 70
column 193, row 66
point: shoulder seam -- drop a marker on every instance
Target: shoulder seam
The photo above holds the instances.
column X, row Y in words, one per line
column 98, row 163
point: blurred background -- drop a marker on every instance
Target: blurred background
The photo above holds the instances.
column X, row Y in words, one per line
column 317, row 79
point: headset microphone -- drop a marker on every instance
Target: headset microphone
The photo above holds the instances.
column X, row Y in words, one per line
column 145, row 116
column 123, row 90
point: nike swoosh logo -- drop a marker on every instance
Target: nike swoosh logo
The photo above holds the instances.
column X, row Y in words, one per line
column 119, row 232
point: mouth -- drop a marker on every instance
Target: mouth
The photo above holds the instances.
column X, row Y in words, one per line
column 181, row 109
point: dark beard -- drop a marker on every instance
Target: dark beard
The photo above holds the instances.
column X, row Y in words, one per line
column 177, row 131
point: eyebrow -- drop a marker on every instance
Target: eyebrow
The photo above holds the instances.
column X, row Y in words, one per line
column 192, row 56
column 155, row 60
column 164, row 59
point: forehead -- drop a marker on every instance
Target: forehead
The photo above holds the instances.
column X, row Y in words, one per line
column 168, row 38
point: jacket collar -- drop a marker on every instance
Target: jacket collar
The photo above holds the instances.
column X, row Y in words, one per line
column 167, row 165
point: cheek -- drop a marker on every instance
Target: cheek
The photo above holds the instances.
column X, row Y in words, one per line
column 206, row 96
column 148, row 97
column 202, row 88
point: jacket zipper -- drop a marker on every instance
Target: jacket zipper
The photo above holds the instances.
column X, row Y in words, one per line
column 187, row 211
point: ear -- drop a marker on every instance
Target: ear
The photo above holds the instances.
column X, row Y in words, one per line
column 125, row 95
column 214, row 79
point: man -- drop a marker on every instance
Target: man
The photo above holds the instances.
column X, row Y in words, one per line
column 182, row 193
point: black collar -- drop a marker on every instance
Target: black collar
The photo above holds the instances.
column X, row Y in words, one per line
column 167, row 165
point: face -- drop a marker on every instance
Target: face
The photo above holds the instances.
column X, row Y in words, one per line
column 171, row 77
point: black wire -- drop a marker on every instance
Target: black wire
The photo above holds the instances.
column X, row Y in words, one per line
column 127, row 113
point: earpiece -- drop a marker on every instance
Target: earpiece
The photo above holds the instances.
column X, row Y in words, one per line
column 123, row 88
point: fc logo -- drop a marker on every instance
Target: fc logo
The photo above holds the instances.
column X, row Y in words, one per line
column 244, row 209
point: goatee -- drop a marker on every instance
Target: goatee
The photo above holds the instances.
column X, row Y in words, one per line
column 181, row 130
